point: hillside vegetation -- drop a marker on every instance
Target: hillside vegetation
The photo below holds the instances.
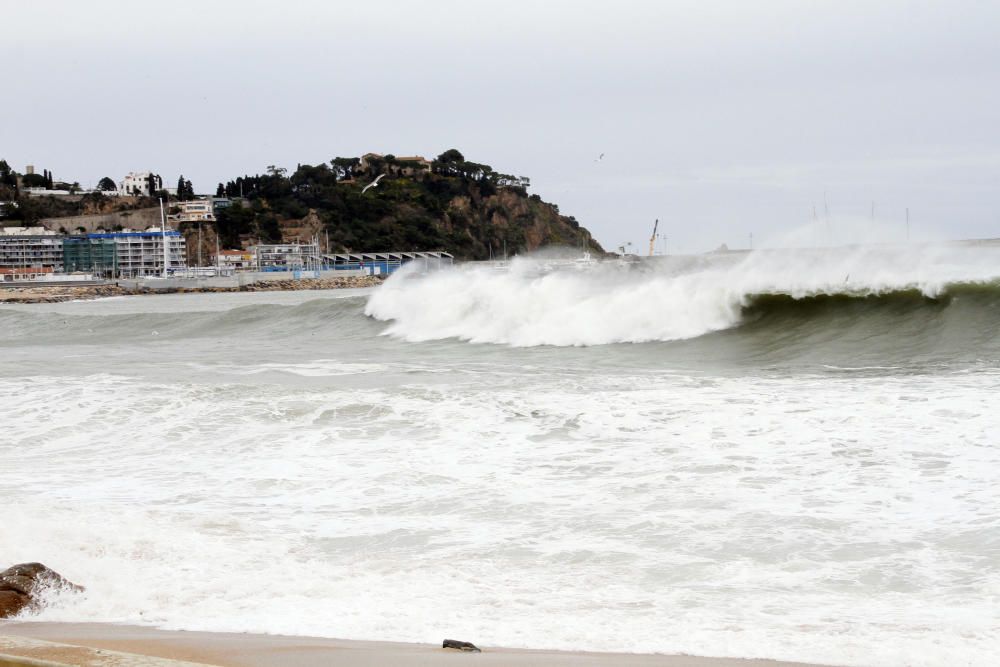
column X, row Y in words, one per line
column 451, row 204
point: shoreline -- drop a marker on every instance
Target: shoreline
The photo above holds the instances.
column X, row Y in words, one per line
column 226, row 649
column 54, row 294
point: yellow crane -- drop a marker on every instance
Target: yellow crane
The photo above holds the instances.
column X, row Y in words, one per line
column 652, row 239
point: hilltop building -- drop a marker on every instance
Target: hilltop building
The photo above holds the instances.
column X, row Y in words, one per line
column 143, row 183
column 412, row 165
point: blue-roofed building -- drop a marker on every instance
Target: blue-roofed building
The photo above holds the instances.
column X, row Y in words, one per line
column 126, row 254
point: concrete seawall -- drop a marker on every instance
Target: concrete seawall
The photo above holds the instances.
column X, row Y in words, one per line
column 241, row 279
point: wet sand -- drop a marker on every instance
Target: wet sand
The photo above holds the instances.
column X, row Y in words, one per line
column 251, row 650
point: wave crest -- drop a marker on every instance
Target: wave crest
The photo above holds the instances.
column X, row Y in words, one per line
column 668, row 299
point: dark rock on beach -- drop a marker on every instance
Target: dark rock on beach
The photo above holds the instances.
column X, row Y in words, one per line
column 460, row 645
column 22, row 586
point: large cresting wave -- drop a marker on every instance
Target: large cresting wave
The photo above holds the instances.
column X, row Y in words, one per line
column 538, row 302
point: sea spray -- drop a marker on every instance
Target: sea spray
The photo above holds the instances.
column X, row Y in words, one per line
column 538, row 303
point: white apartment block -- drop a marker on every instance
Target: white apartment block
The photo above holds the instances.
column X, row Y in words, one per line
column 141, row 253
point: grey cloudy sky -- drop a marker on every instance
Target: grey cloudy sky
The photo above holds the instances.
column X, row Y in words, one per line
column 721, row 119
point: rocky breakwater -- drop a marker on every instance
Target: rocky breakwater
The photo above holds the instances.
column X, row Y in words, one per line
column 24, row 586
column 316, row 283
column 57, row 294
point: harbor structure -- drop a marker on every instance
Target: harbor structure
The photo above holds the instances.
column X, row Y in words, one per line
column 383, row 263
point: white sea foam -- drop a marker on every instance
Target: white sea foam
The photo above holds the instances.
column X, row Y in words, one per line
column 838, row 519
column 665, row 300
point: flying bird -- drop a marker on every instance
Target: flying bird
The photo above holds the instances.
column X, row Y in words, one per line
column 599, row 158
column 372, row 184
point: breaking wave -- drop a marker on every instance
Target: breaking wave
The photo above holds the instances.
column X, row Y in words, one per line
column 669, row 299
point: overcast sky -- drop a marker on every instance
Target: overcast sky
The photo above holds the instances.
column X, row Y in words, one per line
column 722, row 119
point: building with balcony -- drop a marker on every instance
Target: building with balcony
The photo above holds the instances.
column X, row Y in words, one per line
column 127, row 254
column 142, row 183
column 91, row 255
column 235, row 260
column 30, row 248
column 287, row 257
column 197, row 210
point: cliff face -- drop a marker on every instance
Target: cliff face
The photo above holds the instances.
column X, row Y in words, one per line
column 448, row 204
column 525, row 223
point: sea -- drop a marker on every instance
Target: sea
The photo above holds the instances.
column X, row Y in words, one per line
column 789, row 454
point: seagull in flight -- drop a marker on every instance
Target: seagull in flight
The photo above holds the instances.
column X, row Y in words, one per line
column 599, row 158
column 372, row 184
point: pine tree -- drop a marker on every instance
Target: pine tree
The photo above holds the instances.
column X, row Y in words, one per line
column 220, row 191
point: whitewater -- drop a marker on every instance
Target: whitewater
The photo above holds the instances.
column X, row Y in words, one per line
column 779, row 454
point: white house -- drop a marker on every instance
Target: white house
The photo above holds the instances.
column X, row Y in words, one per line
column 139, row 181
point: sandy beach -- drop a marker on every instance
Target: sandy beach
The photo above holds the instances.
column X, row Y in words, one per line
column 253, row 650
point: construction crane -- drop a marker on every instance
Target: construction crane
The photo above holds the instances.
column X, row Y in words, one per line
column 652, row 239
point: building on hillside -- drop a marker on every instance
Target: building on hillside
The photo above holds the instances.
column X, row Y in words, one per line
column 128, row 253
column 412, row 165
column 416, row 164
column 30, row 248
column 287, row 257
column 196, row 210
column 235, row 260
column 381, row 263
column 43, row 192
column 142, row 183
column 219, row 203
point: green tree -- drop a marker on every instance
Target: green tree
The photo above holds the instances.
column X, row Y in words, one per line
column 344, row 167
column 106, row 185
column 233, row 222
column 450, row 155
column 34, row 180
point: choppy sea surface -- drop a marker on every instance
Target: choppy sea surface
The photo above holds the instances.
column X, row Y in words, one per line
column 786, row 455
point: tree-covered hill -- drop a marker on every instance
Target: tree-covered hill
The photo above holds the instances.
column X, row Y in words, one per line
column 449, row 203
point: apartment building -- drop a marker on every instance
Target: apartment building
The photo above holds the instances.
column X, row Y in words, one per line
column 30, row 247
